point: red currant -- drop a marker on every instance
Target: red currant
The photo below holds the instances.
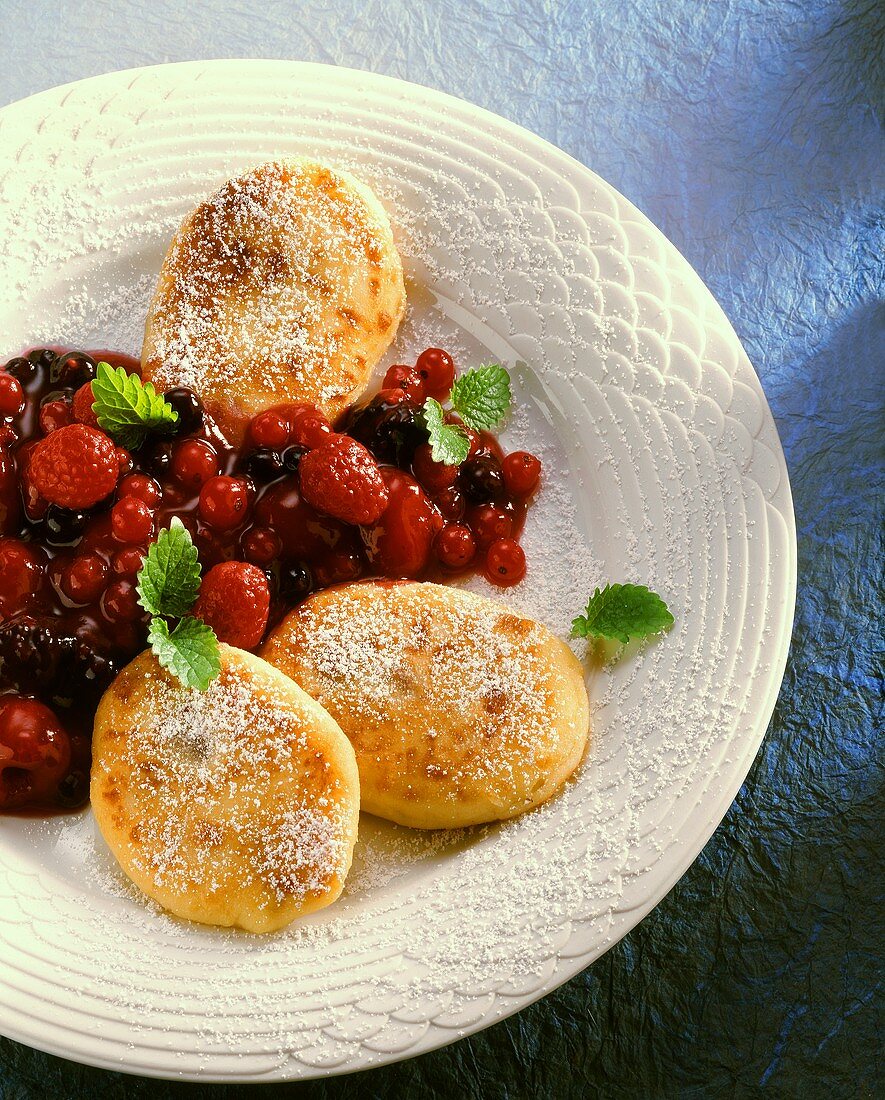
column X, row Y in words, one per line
column 488, row 524
column 193, row 462
column 224, row 502
column 128, row 561
column 55, row 415
column 505, row 563
column 131, row 520
column 451, row 503
column 270, row 429
column 125, row 462
column 437, row 368
column 120, row 602
column 83, row 580
column 407, row 379
column 21, row 574
column 261, row 545
column 455, row 546
column 434, row 476
column 522, row 471
column 12, row 396
column 35, row 752
column 142, row 487
column 311, row 429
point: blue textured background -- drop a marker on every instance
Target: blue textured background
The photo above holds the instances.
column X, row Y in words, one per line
column 751, row 132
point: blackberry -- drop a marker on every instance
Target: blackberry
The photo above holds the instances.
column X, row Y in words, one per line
column 391, row 432
column 62, row 669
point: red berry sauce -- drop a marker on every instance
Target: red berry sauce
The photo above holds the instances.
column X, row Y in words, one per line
column 69, row 611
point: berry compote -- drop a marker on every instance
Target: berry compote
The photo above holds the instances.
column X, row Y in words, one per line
column 304, row 503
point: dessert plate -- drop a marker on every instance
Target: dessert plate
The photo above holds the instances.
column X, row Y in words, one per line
column 662, row 466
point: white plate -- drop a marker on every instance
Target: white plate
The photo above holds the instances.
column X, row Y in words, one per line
column 663, row 467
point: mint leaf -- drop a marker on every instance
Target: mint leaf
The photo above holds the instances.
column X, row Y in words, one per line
column 190, row 651
column 169, row 580
column 448, row 442
column 127, row 408
column 482, row 396
column 622, row 612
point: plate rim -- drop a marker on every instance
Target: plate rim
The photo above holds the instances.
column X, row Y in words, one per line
column 622, row 921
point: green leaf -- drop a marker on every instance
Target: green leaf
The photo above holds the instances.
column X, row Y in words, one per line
column 169, row 580
column 448, row 442
column 189, row 652
column 482, row 396
column 622, row 612
column 127, row 408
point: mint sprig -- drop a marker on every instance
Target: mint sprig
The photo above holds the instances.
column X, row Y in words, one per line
column 448, row 442
column 621, row 612
column 482, row 396
column 168, row 584
column 127, row 408
column 190, row 651
column 169, row 579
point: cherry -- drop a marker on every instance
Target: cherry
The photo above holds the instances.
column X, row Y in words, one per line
column 193, row 462
column 224, row 502
column 73, row 369
column 10, row 499
column 83, row 580
column 338, row 567
column 488, row 524
column 12, row 396
column 43, row 358
column 407, row 379
column 455, row 546
column 119, row 603
column 399, row 543
column 35, row 752
column 270, row 429
column 434, row 476
column 505, row 563
column 21, row 575
column 437, row 368
column 261, row 545
column 305, row 534
column 481, row 479
column 189, row 408
column 131, row 520
column 142, row 487
column 522, row 471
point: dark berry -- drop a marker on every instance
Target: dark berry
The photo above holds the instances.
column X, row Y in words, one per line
column 296, row 584
column 263, row 465
column 390, row 431
column 72, row 369
column 63, row 526
column 42, row 358
column 292, row 458
column 157, row 458
column 73, row 790
column 189, row 408
column 21, row 368
column 481, row 479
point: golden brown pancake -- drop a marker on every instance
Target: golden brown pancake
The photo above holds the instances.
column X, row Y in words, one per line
column 459, row 710
column 234, row 806
column 285, row 285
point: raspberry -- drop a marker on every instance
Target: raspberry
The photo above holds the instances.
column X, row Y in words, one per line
column 342, row 479
column 234, row 600
column 75, row 467
column 83, row 401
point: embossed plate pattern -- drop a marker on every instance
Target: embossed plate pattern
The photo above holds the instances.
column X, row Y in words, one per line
column 663, row 466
